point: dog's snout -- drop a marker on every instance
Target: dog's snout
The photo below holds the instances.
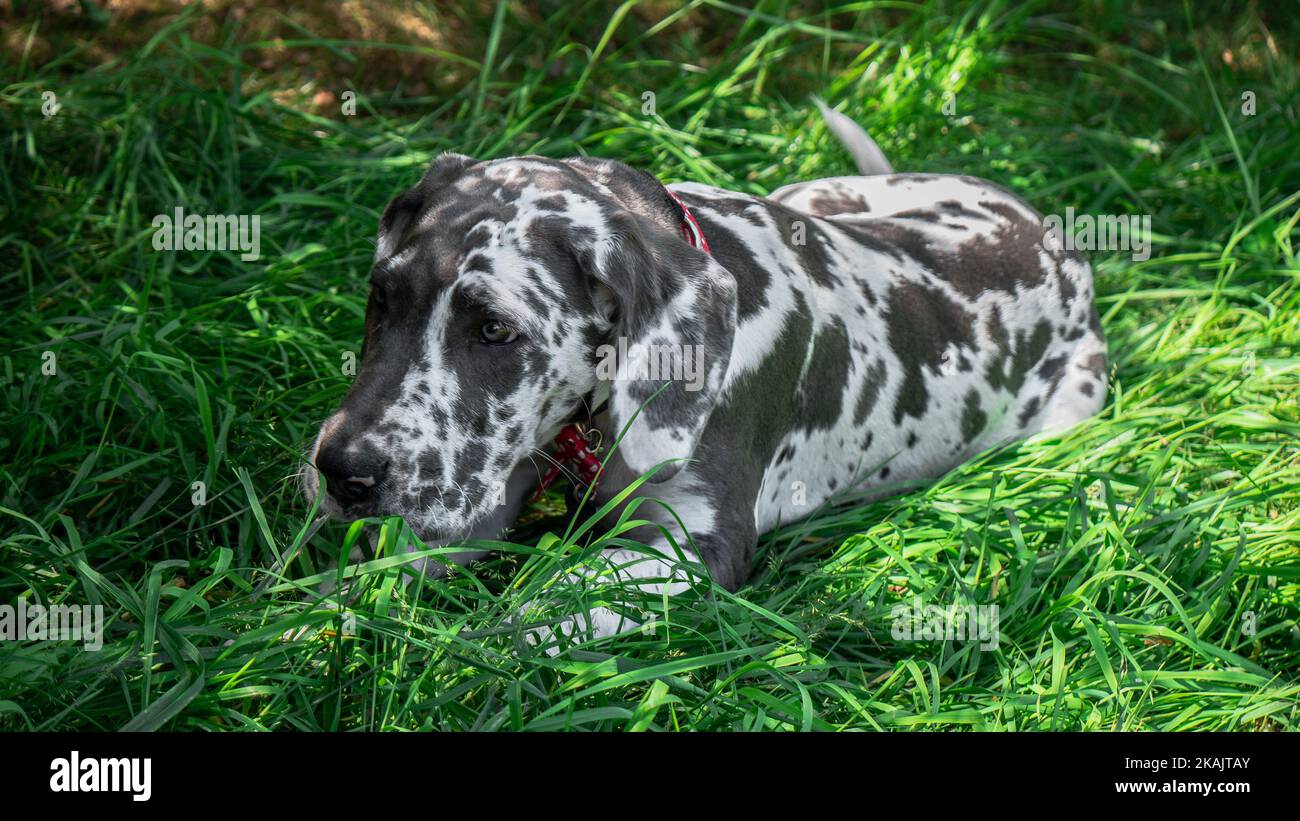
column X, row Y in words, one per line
column 352, row 471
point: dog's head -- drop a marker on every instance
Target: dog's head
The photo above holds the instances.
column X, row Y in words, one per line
column 494, row 286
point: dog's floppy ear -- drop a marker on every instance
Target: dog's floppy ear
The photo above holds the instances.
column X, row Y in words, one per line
column 676, row 317
column 403, row 210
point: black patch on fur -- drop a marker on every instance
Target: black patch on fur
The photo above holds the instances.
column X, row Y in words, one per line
column 923, row 323
column 822, row 393
column 1008, row 370
column 1031, row 408
column 973, row 417
column 872, row 382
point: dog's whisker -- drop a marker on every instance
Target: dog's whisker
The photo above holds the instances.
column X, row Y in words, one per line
column 568, row 473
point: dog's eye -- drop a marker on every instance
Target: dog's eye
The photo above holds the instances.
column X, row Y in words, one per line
column 378, row 295
column 495, row 332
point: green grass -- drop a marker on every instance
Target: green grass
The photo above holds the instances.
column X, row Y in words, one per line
column 1129, row 556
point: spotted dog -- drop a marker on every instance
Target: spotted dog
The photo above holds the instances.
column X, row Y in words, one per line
column 852, row 333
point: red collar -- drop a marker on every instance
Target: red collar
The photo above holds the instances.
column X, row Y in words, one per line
column 574, row 451
column 690, row 228
column 573, row 447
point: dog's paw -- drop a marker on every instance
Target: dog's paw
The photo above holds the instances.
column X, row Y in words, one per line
column 571, row 630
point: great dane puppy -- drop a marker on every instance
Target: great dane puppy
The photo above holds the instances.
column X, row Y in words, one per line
column 851, row 333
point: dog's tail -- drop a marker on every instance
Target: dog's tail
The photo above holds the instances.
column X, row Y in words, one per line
column 868, row 157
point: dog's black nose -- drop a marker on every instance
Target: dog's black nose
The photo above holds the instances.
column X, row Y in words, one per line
column 352, row 472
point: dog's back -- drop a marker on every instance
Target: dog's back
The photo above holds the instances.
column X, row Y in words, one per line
column 891, row 327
